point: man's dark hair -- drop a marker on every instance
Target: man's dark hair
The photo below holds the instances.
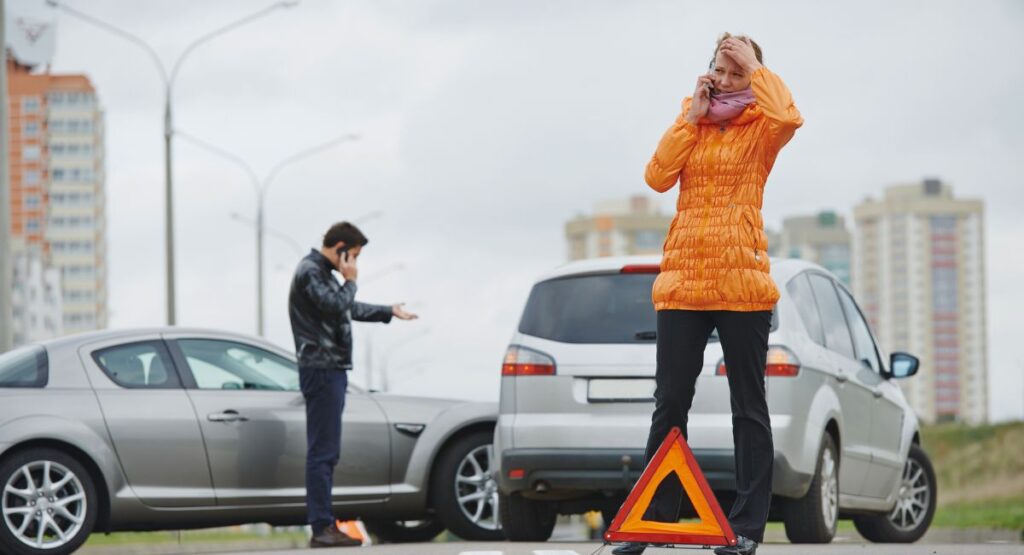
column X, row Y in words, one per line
column 346, row 232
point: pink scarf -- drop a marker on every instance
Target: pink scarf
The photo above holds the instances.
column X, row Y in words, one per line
column 726, row 106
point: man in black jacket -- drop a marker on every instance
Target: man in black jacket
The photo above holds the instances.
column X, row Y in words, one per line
column 321, row 312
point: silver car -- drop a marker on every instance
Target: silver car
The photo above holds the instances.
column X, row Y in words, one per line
column 176, row 428
column 577, row 396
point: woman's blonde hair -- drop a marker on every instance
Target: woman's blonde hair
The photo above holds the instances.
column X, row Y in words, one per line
column 744, row 38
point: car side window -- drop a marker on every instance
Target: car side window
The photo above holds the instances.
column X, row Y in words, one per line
column 803, row 298
column 142, row 365
column 218, row 364
column 833, row 321
column 24, row 367
column 863, row 343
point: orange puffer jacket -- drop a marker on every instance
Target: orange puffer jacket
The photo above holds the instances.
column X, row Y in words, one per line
column 716, row 249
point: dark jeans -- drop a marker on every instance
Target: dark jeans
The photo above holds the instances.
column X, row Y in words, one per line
column 682, row 337
column 324, row 391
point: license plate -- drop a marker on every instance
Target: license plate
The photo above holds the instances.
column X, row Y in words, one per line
column 620, row 390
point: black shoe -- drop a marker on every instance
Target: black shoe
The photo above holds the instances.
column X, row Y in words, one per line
column 630, row 549
column 332, row 537
column 744, row 546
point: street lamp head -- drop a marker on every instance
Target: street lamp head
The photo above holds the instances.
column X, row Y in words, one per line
column 289, row 3
column 53, row 3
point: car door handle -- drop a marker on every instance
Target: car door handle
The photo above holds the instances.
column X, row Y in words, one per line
column 841, row 378
column 877, row 393
column 226, row 416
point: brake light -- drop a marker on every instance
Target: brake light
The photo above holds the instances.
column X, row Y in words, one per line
column 521, row 361
column 640, row 269
column 781, row 363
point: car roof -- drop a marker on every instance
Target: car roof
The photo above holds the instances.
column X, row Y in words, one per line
column 783, row 269
column 128, row 333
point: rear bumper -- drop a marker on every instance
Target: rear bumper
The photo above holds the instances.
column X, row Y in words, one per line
column 581, row 471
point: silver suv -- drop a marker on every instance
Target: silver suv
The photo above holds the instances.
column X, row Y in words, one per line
column 577, row 396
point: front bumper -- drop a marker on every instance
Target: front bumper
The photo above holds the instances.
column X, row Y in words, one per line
column 570, row 472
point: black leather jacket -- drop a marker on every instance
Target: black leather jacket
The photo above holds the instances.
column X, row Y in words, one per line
column 322, row 310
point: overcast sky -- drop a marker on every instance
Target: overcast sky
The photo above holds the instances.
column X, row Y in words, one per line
column 486, row 125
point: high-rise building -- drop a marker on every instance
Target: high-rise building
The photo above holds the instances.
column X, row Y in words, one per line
column 618, row 228
column 822, row 239
column 57, row 184
column 37, row 297
column 919, row 273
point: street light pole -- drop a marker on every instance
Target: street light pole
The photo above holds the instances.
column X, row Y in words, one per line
column 261, row 188
column 6, row 271
column 168, row 127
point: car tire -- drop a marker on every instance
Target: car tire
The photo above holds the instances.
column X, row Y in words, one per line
column 63, row 492
column 398, row 531
column 813, row 517
column 463, row 489
column 527, row 520
column 915, row 505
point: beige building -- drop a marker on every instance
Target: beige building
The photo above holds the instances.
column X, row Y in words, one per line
column 821, row 238
column 618, row 228
column 57, row 186
column 919, row 273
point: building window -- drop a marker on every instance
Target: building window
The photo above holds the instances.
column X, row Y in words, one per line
column 32, row 225
column 30, row 129
column 30, row 152
column 30, row 177
column 648, row 240
column 30, row 104
column 31, row 202
column 58, row 174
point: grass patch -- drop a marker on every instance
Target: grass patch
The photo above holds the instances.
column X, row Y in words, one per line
column 1006, row 514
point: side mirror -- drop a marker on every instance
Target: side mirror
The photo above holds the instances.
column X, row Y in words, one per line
column 903, row 365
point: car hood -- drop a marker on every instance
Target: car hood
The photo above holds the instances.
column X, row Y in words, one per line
column 422, row 410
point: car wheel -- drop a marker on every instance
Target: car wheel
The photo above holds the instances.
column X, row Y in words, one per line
column 48, row 501
column 527, row 520
column 403, row 531
column 463, row 489
column 915, row 505
column 813, row 517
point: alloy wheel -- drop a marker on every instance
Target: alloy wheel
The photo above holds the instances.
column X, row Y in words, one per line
column 44, row 504
column 829, row 489
column 476, row 490
column 913, row 498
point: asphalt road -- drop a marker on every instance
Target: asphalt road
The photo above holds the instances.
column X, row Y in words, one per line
column 560, row 548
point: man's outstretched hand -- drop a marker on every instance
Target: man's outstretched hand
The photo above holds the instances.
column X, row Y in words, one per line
column 401, row 314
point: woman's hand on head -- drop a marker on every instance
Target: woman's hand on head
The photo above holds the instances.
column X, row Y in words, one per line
column 741, row 52
column 701, row 100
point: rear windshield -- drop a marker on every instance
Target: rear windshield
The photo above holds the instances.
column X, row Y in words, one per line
column 24, row 367
column 597, row 308
column 604, row 308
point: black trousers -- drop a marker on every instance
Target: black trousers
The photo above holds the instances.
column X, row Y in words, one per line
column 682, row 337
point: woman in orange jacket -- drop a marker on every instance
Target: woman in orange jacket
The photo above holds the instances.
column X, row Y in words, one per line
column 715, row 271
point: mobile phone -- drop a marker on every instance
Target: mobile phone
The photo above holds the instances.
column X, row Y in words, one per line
column 342, row 253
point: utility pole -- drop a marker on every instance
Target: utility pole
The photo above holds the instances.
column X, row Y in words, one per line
column 6, row 273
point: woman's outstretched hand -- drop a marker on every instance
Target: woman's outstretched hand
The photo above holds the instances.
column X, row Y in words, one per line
column 701, row 99
column 741, row 52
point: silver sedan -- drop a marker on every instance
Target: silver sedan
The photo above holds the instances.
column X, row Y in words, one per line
column 176, row 428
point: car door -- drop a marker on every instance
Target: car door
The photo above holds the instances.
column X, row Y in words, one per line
column 253, row 419
column 886, row 414
column 855, row 398
column 150, row 420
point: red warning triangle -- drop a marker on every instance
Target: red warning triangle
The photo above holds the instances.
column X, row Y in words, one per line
column 674, row 455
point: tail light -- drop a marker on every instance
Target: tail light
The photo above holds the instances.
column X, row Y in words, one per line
column 640, row 269
column 781, row 363
column 521, row 361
